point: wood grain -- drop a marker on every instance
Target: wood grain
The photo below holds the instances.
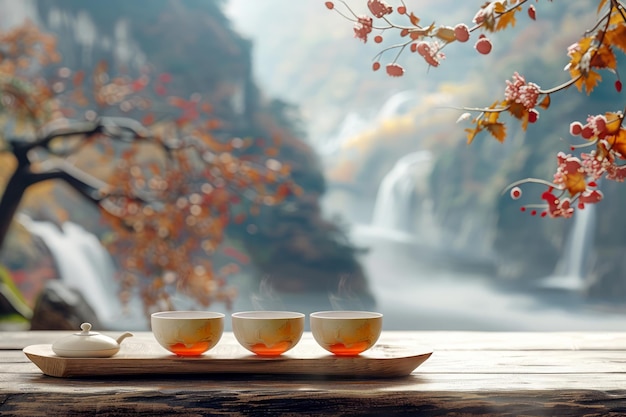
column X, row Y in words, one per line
column 469, row 374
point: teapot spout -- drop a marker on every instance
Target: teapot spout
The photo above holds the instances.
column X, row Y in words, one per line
column 123, row 336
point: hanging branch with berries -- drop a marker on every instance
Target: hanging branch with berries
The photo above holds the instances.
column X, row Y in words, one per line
column 576, row 180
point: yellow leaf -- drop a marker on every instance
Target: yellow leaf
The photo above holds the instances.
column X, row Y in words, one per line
column 613, row 122
column 498, row 131
column 617, row 37
column 498, row 7
column 618, row 142
column 575, row 182
column 471, row 134
column 445, row 33
column 491, row 117
column 615, row 17
column 588, row 82
column 506, row 19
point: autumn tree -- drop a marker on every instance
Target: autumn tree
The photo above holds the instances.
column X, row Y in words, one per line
column 600, row 149
column 166, row 179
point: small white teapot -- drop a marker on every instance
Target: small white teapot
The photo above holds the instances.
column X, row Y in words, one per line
column 88, row 344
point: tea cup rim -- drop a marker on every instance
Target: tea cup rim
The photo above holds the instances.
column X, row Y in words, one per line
column 187, row 315
column 345, row 315
column 267, row 315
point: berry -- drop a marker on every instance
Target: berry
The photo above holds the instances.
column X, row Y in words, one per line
column 378, row 39
column 461, row 32
column 532, row 13
column 401, row 10
column 395, row 70
column 618, row 86
column 483, row 46
column 533, row 115
column 376, row 66
column 575, row 128
column 423, row 48
column 404, row 32
column 413, row 47
column 587, row 132
column 330, row 5
column 516, row 193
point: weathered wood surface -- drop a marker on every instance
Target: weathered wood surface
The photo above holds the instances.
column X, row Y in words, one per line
column 469, row 374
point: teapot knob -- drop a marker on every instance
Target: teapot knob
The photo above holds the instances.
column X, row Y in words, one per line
column 85, row 327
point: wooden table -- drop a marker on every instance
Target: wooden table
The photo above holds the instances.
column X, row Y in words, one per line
column 469, row 374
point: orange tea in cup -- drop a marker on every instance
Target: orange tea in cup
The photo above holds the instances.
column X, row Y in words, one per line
column 346, row 333
column 187, row 333
column 268, row 333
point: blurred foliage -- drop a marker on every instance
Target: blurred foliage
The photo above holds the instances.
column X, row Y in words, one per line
column 196, row 83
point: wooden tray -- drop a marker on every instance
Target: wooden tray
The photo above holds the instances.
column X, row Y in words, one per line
column 147, row 357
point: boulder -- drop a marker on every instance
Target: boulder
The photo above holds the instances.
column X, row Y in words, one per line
column 62, row 308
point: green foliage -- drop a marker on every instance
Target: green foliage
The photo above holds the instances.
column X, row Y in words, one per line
column 13, row 306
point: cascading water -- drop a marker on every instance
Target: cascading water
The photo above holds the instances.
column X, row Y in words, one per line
column 84, row 265
column 402, row 225
column 573, row 266
column 401, row 202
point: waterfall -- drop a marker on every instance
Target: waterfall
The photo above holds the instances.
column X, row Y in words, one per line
column 572, row 268
column 398, row 195
column 83, row 265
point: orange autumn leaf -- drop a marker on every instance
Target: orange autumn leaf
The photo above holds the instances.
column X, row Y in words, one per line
column 506, row 19
column 471, row 134
column 497, row 130
column 604, row 58
column 575, row 182
column 613, row 122
column 617, row 37
column 491, row 117
column 618, row 142
column 588, row 82
column 414, row 19
column 615, row 17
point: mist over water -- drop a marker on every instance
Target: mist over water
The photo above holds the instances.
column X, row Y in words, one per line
column 419, row 284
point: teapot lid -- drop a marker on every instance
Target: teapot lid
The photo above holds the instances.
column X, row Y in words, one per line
column 86, row 330
column 87, row 342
